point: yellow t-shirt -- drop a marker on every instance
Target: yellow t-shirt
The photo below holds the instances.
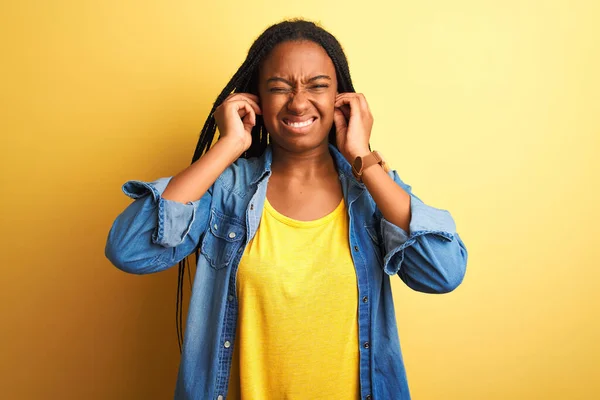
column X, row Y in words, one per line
column 297, row 331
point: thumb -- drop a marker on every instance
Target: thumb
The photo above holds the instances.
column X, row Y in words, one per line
column 249, row 120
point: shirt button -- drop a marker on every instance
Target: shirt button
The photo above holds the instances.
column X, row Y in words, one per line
column 227, row 344
column 365, row 299
column 366, row 398
column 215, row 226
column 355, row 248
column 252, row 206
column 366, row 345
column 220, row 397
column 230, row 298
column 231, row 235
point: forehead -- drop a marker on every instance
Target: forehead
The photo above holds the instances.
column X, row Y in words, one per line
column 297, row 59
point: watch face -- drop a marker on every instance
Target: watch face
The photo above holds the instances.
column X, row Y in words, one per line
column 358, row 163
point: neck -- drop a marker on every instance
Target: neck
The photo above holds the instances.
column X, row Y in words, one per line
column 305, row 165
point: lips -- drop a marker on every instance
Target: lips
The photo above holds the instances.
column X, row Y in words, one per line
column 299, row 123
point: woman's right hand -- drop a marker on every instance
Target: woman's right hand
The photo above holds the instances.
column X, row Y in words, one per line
column 236, row 116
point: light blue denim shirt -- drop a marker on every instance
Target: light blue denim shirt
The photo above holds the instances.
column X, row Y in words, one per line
column 153, row 234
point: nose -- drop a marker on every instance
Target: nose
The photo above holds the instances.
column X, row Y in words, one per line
column 298, row 102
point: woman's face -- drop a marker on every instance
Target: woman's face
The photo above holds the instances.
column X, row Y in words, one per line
column 297, row 89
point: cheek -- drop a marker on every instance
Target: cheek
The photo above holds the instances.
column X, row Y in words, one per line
column 270, row 112
column 327, row 107
column 271, row 107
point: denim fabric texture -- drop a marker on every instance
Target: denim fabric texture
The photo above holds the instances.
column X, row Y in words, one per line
column 153, row 234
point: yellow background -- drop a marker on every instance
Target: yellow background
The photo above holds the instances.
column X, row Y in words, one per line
column 489, row 109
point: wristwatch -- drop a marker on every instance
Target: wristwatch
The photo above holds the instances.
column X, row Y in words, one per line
column 362, row 163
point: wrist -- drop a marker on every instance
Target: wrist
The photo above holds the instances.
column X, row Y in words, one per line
column 366, row 162
column 235, row 146
column 362, row 152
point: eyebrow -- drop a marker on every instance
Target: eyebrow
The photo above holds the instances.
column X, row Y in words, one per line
column 314, row 78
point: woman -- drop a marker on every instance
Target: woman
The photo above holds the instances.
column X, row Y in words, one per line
column 297, row 227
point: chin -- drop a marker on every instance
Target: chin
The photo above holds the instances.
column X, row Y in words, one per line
column 299, row 144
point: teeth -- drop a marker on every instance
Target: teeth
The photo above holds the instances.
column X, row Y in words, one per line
column 300, row 124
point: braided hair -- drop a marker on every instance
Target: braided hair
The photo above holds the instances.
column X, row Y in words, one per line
column 245, row 80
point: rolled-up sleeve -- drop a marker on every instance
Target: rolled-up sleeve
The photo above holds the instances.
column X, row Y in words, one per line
column 431, row 257
column 154, row 233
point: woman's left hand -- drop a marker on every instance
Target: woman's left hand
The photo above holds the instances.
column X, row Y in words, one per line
column 353, row 122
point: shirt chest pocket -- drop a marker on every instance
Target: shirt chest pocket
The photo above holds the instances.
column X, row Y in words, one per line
column 222, row 240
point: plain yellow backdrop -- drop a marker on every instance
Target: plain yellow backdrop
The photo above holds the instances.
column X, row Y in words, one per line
column 489, row 109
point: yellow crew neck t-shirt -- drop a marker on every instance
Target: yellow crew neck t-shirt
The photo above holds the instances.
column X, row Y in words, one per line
column 297, row 331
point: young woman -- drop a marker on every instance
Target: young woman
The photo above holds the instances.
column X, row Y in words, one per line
column 297, row 227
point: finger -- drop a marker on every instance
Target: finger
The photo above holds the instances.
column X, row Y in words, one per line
column 249, row 120
column 345, row 95
column 250, row 116
column 250, row 102
column 341, row 105
column 253, row 102
column 244, row 109
column 345, row 110
column 248, row 95
column 250, row 98
column 363, row 102
column 339, row 119
column 352, row 102
column 358, row 96
column 346, row 98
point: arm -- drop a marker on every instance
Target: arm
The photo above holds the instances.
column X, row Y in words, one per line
column 429, row 256
column 420, row 242
column 393, row 201
column 164, row 223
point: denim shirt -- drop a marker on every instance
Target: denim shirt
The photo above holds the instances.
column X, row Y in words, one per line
column 153, row 234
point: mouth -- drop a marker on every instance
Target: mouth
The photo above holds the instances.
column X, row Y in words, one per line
column 299, row 126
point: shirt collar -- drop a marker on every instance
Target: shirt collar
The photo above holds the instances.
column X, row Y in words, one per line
column 343, row 167
column 263, row 165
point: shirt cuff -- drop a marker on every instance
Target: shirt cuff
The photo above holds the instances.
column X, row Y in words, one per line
column 425, row 220
column 175, row 219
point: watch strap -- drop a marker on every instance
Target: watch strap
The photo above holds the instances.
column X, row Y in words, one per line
column 367, row 161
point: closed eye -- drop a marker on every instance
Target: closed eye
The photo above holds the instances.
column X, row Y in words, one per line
column 279, row 90
column 286, row 90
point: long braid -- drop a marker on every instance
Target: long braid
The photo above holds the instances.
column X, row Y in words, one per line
column 245, row 80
